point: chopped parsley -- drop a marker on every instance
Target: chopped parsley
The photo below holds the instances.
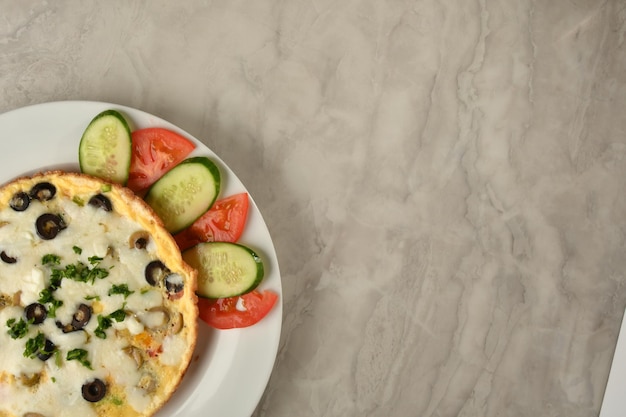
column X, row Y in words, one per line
column 95, row 260
column 51, row 259
column 79, row 355
column 92, row 297
column 118, row 315
column 78, row 271
column 55, row 281
column 46, row 296
column 105, row 188
column 36, row 345
column 81, row 272
column 104, row 322
column 120, row 289
column 17, row 329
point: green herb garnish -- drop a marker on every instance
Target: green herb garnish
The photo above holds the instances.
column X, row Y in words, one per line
column 118, row 315
column 95, row 260
column 81, row 272
column 17, row 329
column 77, row 250
column 51, row 259
column 104, row 322
column 120, row 289
column 36, row 345
column 46, row 296
column 79, row 355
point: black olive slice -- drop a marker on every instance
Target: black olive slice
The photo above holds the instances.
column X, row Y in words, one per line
column 101, row 201
column 81, row 317
column 155, row 273
column 47, row 352
column 6, row 258
column 139, row 240
column 36, row 312
column 49, row 225
column 94, row 391
column 20, row 201
column 43, row 191
column 174, row 283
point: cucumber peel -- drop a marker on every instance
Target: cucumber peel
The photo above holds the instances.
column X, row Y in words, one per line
column 105, row 148
column 185, row 192
column 224, row 269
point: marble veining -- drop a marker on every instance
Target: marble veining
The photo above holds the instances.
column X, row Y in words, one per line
column 443, row 179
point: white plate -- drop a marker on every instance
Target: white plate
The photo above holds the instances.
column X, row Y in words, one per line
column 613, row 403
column 229, row 369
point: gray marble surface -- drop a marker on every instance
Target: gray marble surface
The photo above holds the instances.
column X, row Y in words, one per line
column 443, row 179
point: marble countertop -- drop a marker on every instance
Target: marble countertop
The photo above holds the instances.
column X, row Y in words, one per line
column 443, row 180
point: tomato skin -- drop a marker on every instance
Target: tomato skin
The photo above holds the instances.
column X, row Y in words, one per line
column 155, row 151
column 223, row 222
column 223, row 314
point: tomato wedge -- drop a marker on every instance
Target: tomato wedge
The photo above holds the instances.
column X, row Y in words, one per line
column 155, row 151
column 224, row 314
column 223, row 222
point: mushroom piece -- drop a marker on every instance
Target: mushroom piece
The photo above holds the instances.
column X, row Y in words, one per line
column 30, row 380
column 36, row 312
column 147, row 382
column 94, row 391
column 139, row 240
column 5, row 300
column 43, row 191
column 7, row 259
column 101, row 201
column 155, row 273
column 49, row 225
column 20, row 201
column 135, row 354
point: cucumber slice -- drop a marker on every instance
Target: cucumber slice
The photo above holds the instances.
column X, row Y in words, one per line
column 105, row 147
column 185, row 193
column 224, row 269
